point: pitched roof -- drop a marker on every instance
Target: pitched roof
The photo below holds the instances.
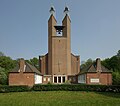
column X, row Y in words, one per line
column 93, row 67
column 28, row 68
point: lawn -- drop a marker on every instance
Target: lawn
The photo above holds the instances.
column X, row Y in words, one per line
column 59, row 98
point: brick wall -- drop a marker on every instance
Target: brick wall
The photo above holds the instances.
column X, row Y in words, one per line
column 43, row 61
column 21, row 79
column 104, row 78
column 59, row 56
column 75, row 64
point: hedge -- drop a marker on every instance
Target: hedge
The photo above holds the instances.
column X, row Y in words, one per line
column 61, row 87
column 77, row 87
column 6, row 88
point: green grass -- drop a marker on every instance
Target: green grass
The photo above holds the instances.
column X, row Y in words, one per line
column 59, row 98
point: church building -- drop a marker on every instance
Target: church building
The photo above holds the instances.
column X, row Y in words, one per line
column 59, row 64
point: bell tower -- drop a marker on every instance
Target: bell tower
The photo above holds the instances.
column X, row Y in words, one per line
column 59, row 48
column 59, row 63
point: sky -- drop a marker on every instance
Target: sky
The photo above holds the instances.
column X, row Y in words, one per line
column 95, row 27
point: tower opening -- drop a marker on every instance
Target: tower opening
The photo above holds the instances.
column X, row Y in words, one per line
column 59, row 30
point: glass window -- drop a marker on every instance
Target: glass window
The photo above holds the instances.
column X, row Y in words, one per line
column 63, row 78
column 55, row 79
column 59, row 79
column 44, row 79
column 48, row 79
column 74, row 79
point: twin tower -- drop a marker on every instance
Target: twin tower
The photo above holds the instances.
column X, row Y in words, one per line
column 59, row 64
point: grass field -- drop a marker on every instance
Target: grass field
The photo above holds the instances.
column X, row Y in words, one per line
column 59, row 98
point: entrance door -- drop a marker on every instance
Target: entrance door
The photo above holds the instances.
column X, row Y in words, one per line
column 59, row 78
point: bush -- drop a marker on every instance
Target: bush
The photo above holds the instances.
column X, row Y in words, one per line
column 76, row 87
column 61, row 87
column 6, row 88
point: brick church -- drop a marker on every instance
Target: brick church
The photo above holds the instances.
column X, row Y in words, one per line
column 59, row 64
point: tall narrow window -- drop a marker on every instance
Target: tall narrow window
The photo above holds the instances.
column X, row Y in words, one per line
column 55, row 79
column 59, row 79
column 63, row 79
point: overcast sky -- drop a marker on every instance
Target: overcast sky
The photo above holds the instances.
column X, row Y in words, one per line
column 95, row 27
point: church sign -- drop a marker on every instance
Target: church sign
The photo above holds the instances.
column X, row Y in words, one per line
column 94, row 80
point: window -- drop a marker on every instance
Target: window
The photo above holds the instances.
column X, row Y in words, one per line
column 70, row 79
column 63, row 79
column 74, row 79
column 55, row 79
column 44, row 79
column 48, row 79
column 59, row 79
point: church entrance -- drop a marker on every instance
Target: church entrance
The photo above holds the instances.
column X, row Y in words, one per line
column 59, row 78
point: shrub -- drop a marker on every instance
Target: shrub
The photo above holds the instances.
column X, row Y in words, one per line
column 6, row 88
column 61, row 87
column 76, row 87
column 67, row 82
column 49, row 83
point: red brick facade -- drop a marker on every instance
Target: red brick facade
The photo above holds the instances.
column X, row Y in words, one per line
column 59, row 61
column 21, row 78
column 104, row 78
column 96, row 73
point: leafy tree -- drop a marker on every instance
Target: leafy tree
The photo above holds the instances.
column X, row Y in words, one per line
column 7, row 63
column 28, row 61
column 89, row 62
column 2, row 54
column 106, row 63
column 3, row 76
column 34, row 61
column 118, row 53
column 86, row 63
column 116, row 78
column 114, row 63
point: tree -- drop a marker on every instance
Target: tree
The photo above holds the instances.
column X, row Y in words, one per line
column 89, row 62
column 7, row 63
column 118, row 53
column 114, row 63
column 2, row 54
column 116, row 77
column 86, row 64
column 3, row 76
column 34, row 61
column 106, row 63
